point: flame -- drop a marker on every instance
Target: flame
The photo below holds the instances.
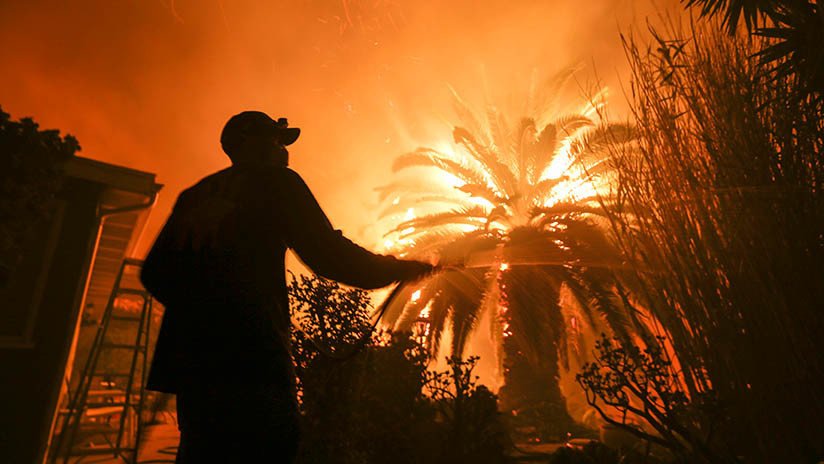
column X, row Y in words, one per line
column 425, row 312
column 574, row 186
column 416, row 295
column 506, row 332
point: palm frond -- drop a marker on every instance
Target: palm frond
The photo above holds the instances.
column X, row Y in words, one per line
column 499, row 173
column 731, row 11
column 432, row 240
column 439, row 307
column 523, row 140
column 795, row 49
column 602, row 306
column 588, row 243
column 482, row 191
column 552, row 137
column 427, row 157
column 552, row 213
column 545, row 149
column 472, row 215
column 411, row 310
column 541, row 191
column 578, row 292
column 545, row 101
column 409, row 201
column 411, row 187
column 467, row 117
column 453, row 297
column 399, row 308
column 569, row 125
column 597, row 169
column 500, row 134
column 490, row 305
column 593, row 146
column 467, row 290
column 604, row 300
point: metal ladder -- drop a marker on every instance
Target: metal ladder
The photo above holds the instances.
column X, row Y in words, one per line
column 107, row 404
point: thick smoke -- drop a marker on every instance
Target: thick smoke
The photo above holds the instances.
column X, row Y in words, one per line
column 148, row 84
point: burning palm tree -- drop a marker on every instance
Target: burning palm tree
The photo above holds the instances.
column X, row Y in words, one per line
column 520, row 207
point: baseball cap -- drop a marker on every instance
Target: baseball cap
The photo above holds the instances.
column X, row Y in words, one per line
column 255, row 123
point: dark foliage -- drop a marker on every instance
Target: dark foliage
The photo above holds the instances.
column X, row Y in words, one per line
column 797, row 45
column 732, row 11
column 372, row 407
column 597, row 453
column 796, row 30
column 467, row 413
column 720, row 216
column 31, row 162
column 643, row 386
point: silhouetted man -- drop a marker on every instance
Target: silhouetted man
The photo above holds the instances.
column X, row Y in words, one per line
column 218, row 267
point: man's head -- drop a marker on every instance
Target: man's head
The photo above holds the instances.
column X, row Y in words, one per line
column 254, row 137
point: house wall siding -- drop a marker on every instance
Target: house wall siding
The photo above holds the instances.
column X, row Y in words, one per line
column 31, row 376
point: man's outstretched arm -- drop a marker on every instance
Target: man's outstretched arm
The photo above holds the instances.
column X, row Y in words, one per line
column 328, row 253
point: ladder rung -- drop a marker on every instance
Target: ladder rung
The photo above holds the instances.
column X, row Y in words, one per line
column 105, row 392
column 123, row 346
column 126, row 318
column 116, row 374
column 103, row 411
column 115, row 404
column 99, row 451
column 97, row 428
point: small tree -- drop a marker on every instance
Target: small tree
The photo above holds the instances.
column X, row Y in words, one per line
column 31, row 173
column 468, row 412
column 362, row 408
column 642, row 386
column 382, row 405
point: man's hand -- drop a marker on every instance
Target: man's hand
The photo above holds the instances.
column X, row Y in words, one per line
column 415, row 270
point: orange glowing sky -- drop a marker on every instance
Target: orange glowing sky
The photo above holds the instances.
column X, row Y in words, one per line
column 149, row 83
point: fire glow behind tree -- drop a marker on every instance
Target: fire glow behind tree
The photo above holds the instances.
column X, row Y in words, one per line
column 150, row 84
column 519, row 206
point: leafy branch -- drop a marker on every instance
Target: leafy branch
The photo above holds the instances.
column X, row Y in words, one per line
column 643, row 386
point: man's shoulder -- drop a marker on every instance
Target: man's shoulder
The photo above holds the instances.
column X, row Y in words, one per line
column 207, row 182
column 267, row 176
column 272, row 175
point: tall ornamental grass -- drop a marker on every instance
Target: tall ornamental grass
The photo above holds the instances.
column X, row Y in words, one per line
column 720, row 212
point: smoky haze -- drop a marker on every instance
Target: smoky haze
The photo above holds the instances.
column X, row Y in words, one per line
column 148, row 84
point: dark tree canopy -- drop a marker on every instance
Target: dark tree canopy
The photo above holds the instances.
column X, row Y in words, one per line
column 31, row 173
column 795, row 29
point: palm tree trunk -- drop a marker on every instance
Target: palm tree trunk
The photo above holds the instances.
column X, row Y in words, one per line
column 534, row 325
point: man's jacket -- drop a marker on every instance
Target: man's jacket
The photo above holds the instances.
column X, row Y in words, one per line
column 218, row 268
